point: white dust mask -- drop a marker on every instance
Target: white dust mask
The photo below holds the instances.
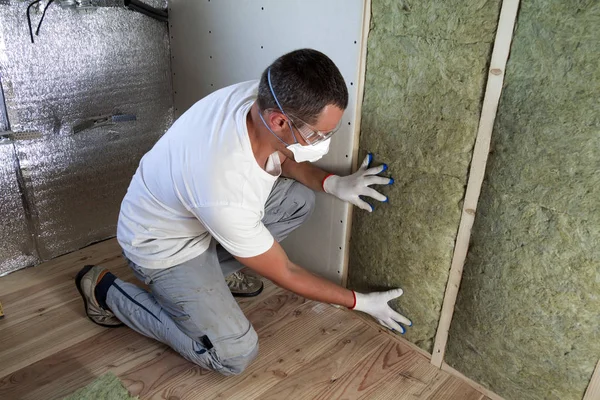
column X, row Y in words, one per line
column 310, row 153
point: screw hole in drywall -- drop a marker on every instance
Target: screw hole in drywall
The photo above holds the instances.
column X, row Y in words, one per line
column 340, row 247
column 348, row 123
column 210, row 56
column 351, row 83
column 262, row 8
column 262, row 47
column 211, row 84
column 209, row 31
column 341, row 222
column 355, row 42
column 346, row 155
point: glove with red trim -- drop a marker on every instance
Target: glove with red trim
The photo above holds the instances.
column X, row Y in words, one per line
column 376, row 305
column 350, row 188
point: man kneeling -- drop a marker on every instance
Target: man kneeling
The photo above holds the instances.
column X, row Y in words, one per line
column 228, row 181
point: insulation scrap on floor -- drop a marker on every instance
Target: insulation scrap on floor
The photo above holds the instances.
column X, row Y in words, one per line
column 106, row 387
column 424, row 86
column 526, row 323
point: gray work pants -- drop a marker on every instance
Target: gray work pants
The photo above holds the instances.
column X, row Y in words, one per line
column 190, row 307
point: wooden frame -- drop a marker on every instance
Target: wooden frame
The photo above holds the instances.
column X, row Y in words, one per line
column 357, row 120
column 593, row 389
column 504, row 33
column 491, row 395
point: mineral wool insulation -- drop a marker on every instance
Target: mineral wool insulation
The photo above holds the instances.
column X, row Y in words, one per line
column 83, row 64
column 426, row 69
column 527, row 318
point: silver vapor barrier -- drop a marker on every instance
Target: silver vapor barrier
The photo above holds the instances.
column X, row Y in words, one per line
column 16, row 241
column 83, row 102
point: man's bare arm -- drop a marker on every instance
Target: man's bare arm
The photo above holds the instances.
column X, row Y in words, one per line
column 275, row 265
column 306, row 173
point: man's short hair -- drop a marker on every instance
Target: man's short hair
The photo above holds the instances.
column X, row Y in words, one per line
column 304, row 81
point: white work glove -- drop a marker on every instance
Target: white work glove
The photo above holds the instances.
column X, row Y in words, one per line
column 376, row 305
column 349, row 188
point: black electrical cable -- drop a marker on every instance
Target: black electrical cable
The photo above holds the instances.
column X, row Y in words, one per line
column 29, row 18
column 37, row 31
column 153, row 10
column 147, row 12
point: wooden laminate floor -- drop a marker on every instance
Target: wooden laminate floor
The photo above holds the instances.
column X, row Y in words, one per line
column 308, row 350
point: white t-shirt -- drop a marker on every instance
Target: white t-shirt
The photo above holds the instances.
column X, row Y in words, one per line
column 200, row 180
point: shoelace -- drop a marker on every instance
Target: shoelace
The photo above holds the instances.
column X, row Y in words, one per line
column 238, row 280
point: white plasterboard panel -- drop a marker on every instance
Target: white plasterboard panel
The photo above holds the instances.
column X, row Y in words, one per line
column 221, row 42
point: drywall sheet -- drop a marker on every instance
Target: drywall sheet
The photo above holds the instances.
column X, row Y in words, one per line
column 83, row 64
column 16, row 244
column 526, row 320
column 426, row 69
column 219, row 43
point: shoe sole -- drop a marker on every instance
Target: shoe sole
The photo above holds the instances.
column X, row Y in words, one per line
column 78, row 279
column 251, row 294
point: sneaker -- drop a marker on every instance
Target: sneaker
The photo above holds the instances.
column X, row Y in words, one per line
column 86, row 281
column 242, row 285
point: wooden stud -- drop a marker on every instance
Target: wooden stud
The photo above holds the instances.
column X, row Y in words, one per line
column 491, row 395
column 593, row 389
column 493, row 90
column 360, row 92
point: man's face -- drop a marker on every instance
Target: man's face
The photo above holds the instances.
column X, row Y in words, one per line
column 328, row 121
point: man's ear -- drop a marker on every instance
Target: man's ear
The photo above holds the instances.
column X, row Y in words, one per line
column 277, row 120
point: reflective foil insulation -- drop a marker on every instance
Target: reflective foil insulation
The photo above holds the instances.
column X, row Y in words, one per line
column 63, row 191
column 16, row 244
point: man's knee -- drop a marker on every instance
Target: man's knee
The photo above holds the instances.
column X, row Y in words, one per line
column 237, row 365
column 227, row 366
column 235, row 353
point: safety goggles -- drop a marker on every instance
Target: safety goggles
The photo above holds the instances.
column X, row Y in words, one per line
column 309, row 133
